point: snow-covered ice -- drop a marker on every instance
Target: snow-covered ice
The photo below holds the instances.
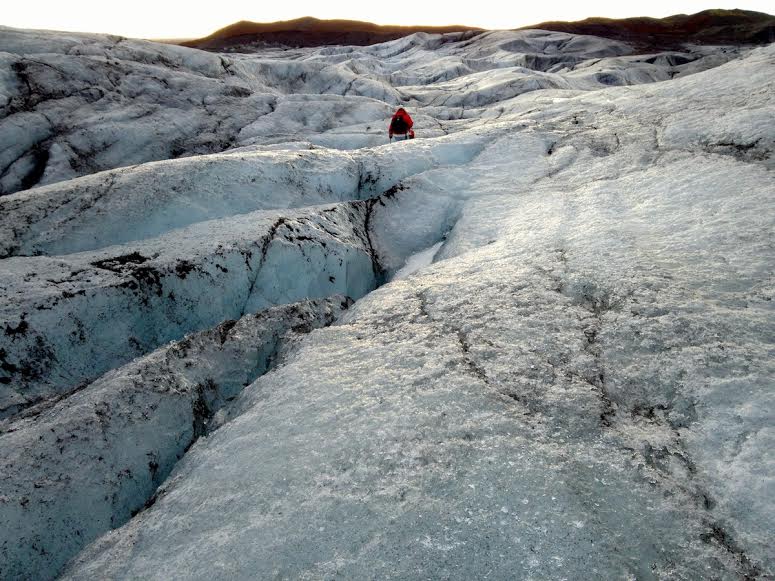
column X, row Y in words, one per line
column 561, row 359
column 101, row 453
column 417, row 261
column 69, row 319
column 73, row 104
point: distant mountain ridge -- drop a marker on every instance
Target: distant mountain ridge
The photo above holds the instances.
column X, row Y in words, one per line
column 706, row 27
column 309, row 31
column 715, row 26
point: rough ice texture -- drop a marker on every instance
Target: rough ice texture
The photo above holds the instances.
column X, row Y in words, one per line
column 576, row 383
column 85, row 464
column 75, row 104
column 148, row 200
column 417, row 261
column 69, row 319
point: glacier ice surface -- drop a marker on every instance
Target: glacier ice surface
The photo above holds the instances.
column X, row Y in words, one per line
column 575, row 381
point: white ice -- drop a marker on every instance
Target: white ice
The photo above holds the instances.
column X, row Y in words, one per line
column 417, row 261
column 569, row 374
column 102, row 452
column 73, row 104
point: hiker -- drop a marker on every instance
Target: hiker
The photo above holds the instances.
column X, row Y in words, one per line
column 401, row 124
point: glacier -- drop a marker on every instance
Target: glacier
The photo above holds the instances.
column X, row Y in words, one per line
column 242, row 336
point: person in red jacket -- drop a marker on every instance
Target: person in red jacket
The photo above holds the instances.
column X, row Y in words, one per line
column 401, row 124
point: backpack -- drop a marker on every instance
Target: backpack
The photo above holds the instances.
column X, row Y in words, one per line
column 399, row 124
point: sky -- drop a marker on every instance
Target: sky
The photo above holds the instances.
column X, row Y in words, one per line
column 187, row 19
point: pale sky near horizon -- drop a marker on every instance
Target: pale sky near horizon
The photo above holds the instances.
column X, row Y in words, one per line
column 178, row 19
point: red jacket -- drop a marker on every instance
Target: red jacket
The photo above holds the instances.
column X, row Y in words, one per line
column 401, row 124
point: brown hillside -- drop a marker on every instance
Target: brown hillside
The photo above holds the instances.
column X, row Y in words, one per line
column 310, row 31
column 707, row 27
